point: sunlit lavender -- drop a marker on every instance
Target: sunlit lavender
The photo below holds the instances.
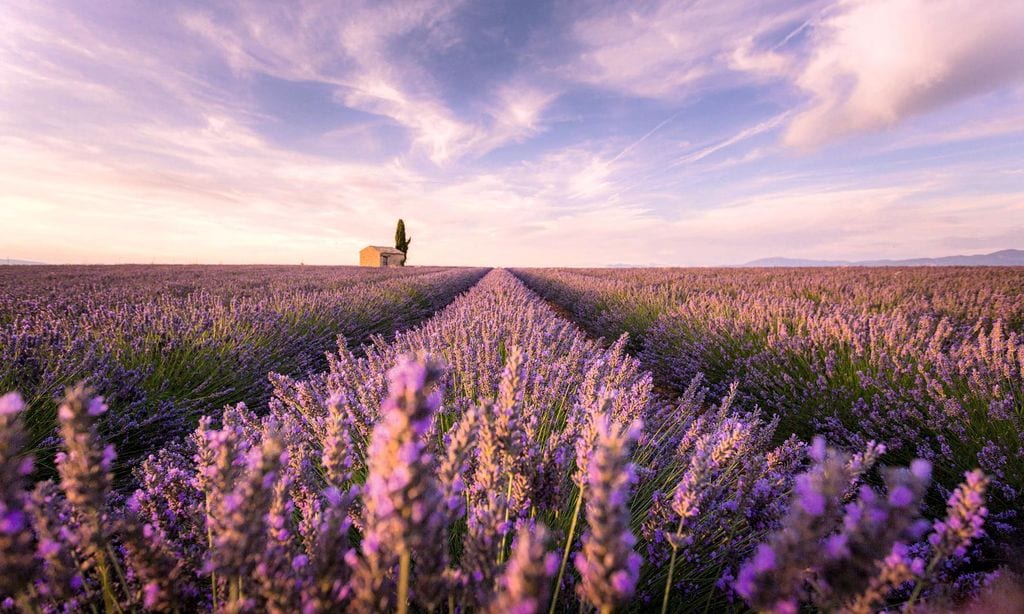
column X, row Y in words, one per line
column 166, row 343
column 493, row 458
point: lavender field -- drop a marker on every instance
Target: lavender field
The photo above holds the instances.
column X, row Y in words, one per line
column 928, row 361
column 832, row 440
column 165, row 344
column 661, row 306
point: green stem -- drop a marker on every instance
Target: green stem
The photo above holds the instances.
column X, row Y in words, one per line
column 29, row 600
column 233, row 590
column 209, row 545
column 508, row 495
column 403, row 583
column 919, row 585
column 118, row 570
column 671, row 569
column 668, row 581
column 109, row 599
column 565, row 553
column 718, row 572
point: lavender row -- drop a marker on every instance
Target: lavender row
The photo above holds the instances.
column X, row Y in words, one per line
column 506, row 464
column 964, row 295
column 855, row 367
column 166, row 343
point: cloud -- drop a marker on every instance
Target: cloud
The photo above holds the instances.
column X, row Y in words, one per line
column 518, row 111
column 746, row 57
column 907, row 219
column 875, row 63
column 856, row 66
column 139, row 134
column 665, row 49
column 360, row 52
column 741, row 136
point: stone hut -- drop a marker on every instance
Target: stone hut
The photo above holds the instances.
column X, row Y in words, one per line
column 375, row 255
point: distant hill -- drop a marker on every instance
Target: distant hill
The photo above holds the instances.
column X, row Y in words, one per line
column 11, row 261
column 1006, row 257
column 624, row 265
column 783, row 262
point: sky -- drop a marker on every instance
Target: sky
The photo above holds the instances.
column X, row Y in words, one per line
column 519, row 133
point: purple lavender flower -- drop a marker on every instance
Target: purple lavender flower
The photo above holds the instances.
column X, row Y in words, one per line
column 404, row 508
column 170, row 502
column 60, row 580
column 239, row 520
column 608, row 566
column 85, row 466
column 167, row 344
column 324, row 528
column 282, row 571
column 17, row 547
column 856, row 355
column 241, row 517
column 339, row 458
column 896, row 570
column 872, row 527
column 156, row 564
column 502, row 478
column 965, row 517
column 455, row 466
column 850, row 560
column 950, row 538
column 11, row 404
column 776, row 578
column 85, row 476
column 525, row 585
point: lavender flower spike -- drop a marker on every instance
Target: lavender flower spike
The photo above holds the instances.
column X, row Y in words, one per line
column 338, row 456
column 86, row 479
column 608, row 566
column 404, row 512
column 84, row 467
column 965, row 517
column 17, row 561
column 525, row 586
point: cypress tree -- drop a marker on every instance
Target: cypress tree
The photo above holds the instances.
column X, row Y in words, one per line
column 402, row 243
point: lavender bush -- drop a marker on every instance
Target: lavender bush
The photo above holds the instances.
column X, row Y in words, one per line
column 507, row 463
column 166, row 343
column 928, row 361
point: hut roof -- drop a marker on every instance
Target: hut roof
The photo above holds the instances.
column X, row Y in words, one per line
column 382, row 249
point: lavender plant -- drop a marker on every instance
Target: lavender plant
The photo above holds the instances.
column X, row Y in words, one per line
column 404, row 512
column 608, row 566
column 18, row 564
column 508, row 472
column 525, row 585
column 928, row 361
column 857, row 556
column 165, row 344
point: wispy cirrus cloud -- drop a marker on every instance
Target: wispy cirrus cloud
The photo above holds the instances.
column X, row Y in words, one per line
column 665, row 49
column 535, row 133
column 358, row 52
